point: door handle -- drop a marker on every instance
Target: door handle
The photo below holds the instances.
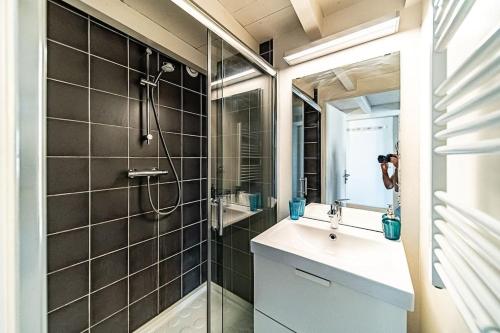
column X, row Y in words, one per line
column 219, row 210
column 303, row 184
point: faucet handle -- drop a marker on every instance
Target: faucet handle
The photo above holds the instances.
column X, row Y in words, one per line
column 339, row 201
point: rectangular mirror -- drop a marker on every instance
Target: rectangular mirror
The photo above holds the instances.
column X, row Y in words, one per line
column 345, row 136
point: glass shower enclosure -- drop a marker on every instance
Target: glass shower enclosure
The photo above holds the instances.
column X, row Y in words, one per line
column 241, row 180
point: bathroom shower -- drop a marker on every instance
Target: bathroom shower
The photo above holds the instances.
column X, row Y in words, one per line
column 166, row 67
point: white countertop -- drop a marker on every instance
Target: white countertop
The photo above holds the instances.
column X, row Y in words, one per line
column 359, row 259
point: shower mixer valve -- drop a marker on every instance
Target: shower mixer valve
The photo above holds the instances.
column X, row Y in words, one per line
column 154, row 172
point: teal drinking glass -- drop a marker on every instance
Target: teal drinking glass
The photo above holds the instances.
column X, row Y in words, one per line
column 302, row 206
column 254, row 201
column 294, row 206
column 392, row 228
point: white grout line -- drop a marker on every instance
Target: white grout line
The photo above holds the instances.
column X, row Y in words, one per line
column 90, row 178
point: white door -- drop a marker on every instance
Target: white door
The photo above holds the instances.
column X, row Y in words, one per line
column 366, row 139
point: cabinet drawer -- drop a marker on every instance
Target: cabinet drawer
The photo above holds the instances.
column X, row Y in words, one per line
column 304, row 302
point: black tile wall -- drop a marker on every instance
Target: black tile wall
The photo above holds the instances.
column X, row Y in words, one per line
column 232, row 261
column 312, row 153
column 266, row 51
column 112, row 263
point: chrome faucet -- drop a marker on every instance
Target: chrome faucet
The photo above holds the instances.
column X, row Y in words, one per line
column 335, row 213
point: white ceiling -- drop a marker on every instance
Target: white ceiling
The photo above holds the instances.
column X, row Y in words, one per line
column 328, row 7
column 172, row 18
column 263, row 19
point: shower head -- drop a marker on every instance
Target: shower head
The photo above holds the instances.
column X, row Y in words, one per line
column 167, row 67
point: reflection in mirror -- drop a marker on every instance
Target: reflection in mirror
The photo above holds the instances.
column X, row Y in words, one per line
column 345, row 137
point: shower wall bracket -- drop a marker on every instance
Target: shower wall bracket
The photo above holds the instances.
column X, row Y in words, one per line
column 133, row 173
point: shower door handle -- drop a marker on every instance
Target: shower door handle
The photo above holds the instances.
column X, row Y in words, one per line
column 219, row 210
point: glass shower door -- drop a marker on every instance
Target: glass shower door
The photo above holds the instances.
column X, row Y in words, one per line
column 241, row 181
column 299, row 182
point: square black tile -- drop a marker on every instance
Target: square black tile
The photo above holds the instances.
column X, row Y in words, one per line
column 190, row 213
column 170, row 244
column 241, row 262
column 142, row 227
column 170, row 119
column 170, row 269
column 170, row 294
column 190, row 258
column 71, row 318
column 108, row 141
column 191, row 146
column 190, row 168
column 241, row 239
column 107, row 237
column 170, row 95
column 168, row 195
column 108, row 108
column 190, row 281
column 67, row 285
column 143, row 255
column 108, row 44
column 170, row 222
column 107, row 301
column 67, row 101
column 108, row 173
column 67, row 64
column 139, row 199
column 191, row 235
column 173, row 142
column 67, row 249
column 191, row 124
column 66, row 212
column 143, row 311
column 191, row 191
column 242, row 287
column 66, row 26
column 191, row 101
column 108, row 269
column 108, row 205
column 143, row 282
column 107, row 76
column 117, row 323
column 65, row 175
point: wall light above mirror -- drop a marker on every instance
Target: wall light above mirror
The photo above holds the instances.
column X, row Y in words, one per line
column 345, row 142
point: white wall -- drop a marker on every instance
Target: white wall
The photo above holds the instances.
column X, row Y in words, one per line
column 335, row 151
column 407, row 43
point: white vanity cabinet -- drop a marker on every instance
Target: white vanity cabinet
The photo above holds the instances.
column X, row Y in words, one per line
column 291, row 300
column 309, row 282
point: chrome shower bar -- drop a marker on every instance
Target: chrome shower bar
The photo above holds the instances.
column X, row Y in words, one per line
column 148, row 136
column 146, row 173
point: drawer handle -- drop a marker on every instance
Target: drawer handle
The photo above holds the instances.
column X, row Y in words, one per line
column 311, row 277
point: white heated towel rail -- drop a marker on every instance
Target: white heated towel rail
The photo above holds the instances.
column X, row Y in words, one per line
column 466, row 240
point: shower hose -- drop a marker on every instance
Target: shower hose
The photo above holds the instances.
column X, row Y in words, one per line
column 157, row 210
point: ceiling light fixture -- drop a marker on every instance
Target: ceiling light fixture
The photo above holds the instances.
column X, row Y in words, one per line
column 358, row 35
column 233, row 78
column 205, row 19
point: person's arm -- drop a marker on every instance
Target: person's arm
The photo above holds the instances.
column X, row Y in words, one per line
column 394, row 178
column 388, row 181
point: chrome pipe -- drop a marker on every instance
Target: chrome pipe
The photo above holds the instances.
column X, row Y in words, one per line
column 146, row 173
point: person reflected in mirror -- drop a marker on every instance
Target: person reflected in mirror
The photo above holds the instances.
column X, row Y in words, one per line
column 392, row 181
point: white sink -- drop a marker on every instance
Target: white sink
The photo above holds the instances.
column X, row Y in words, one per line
column 359, row 259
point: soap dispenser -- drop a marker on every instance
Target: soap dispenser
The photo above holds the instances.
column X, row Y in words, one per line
column 391, row 224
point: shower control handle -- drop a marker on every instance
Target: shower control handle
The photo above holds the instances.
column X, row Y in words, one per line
column 146, row 173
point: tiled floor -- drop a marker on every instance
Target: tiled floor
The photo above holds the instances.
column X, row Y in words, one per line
column 190, row 315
